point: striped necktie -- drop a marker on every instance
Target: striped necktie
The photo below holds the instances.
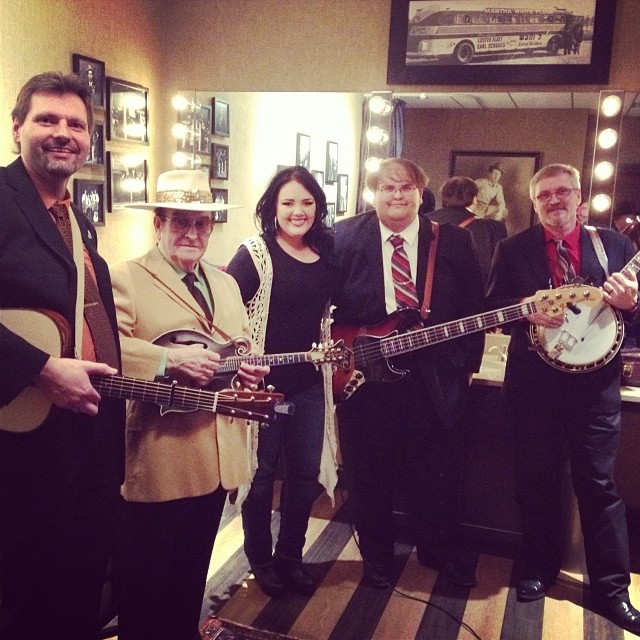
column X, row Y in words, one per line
column 403, row 285
column 565, row 268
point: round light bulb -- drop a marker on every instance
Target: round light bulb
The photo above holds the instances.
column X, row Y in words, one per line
column 607, row 138
column 377, row 135
column 603, row 170
column 601, row 202
column 179, row 159
column 367, row 195
column 611, row 106
column 372, row 164
column 179, row 130
column 379, row 105
column 179, row 102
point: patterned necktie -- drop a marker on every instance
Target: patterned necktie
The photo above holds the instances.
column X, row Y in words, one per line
column 190, row 281
column 403, row 285
column 565, row 268
column 95, row 315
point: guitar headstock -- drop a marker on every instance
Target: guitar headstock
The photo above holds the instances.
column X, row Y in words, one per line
column 332, row 352
column 261, row 406
column 555, row 302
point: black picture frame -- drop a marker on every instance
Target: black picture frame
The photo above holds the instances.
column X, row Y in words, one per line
column 331, row 163
column 589, row 66
column 517, row 169
column 127, row 176
column 128, row 117
column 303, row 150
column 93, row 72
column 90, row 197
column 319, row 176
column 221, row 117
column 330, row 220
column 220, row 161
column 96, row 146
column 198, row 127
column 220, row 195
column 342, row 194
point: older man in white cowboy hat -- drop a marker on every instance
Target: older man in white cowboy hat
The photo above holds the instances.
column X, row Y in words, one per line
column 179, row 466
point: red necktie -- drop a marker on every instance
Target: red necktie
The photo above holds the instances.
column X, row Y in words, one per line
column 190, row 281
column 95, row 314
column 565, row 268
column 403, row 285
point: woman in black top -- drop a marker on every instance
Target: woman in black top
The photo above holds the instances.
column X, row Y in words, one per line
column 285, row 277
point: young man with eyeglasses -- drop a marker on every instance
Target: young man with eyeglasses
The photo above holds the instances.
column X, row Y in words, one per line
column 400, row 441
column 179, row 466
column 560, row 414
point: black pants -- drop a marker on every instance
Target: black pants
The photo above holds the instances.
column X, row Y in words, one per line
column 162, row 566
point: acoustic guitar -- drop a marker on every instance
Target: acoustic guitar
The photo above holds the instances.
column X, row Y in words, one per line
column 50, row 332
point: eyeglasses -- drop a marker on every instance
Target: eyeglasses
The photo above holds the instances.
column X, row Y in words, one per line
column 182, row 224
column 389, row 189
column 562, row 194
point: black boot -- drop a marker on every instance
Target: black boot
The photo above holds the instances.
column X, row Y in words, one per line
column 293, row 576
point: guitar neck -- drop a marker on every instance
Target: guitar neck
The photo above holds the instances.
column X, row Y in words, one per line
column 633, row 265
column 414, row 340
column 233, row 363
column 171, row 395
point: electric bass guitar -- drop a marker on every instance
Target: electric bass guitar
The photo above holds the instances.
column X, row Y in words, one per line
column 50, row 332
column 374, row 345
column 238, row 350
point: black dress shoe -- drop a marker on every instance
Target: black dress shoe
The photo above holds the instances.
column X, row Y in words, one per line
column 532, row 589
column 376, row 574
column 269, row 581
column 293, row 576
column 625, row 615
column 456, row 567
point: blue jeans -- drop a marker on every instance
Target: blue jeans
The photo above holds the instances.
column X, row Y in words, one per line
column 296, row 440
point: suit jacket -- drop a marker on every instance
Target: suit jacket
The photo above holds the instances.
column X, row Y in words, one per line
column 485, row 231
column 520, row 269
column 37, row 271
column 177, row 455
column 457, row 292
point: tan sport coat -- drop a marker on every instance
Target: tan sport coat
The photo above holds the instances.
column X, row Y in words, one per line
column 177, row 455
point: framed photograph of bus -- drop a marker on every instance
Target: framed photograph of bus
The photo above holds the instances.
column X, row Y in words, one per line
column 500, row 41
column 503, row 184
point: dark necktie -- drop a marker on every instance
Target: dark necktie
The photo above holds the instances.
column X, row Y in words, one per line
column 190, row 281
column 403, row 285
column 565, row 268
column 95, row 314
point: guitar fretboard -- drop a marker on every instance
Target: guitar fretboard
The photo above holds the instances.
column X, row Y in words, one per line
column 406, row 342
column 233, row 363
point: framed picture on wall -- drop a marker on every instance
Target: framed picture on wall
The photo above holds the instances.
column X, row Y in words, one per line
column 89, row 196
column 303, row 150
column 220, row 161
column 196, row 128
column 221, row 126
column 220, row 196
column 93, row 72
column 331, row 168
column 467, row 42
column 127, row 175
column 342, row 196
column 330, row 220
column 128, row 111
column 503, row 179
column 96, row 148
column 319, row 176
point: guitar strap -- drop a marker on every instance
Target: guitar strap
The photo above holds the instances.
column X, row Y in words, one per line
column 78, row 258
column 425, row 311
column 466, row 222
column 599, row 247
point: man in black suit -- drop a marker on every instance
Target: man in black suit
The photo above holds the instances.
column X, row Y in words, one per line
column 558, row 413
column 458, row 195
column 59, row 483
column 405, row 434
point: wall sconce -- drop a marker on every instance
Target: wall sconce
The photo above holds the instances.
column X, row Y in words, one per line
column 605, row 157
column 186, row 131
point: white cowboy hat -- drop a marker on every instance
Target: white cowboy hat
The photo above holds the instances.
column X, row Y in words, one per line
column 185, row 189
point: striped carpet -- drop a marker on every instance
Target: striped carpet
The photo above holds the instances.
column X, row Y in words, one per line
column 422, row 606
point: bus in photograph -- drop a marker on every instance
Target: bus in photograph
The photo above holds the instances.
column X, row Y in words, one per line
column 443, row 31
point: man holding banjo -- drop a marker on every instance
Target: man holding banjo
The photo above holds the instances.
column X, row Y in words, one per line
column 567, row 402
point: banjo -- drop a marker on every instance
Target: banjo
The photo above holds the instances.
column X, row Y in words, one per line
column 590, row 336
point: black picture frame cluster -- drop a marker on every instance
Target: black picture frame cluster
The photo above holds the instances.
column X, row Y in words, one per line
column 220, row 128
column 115, row 174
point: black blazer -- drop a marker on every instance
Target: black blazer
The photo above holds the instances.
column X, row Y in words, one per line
column 37, row 271
column 520, row 269
column 457, row 293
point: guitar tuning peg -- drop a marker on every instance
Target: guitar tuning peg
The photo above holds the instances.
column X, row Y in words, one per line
column 313, row 345
column 270, row 388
